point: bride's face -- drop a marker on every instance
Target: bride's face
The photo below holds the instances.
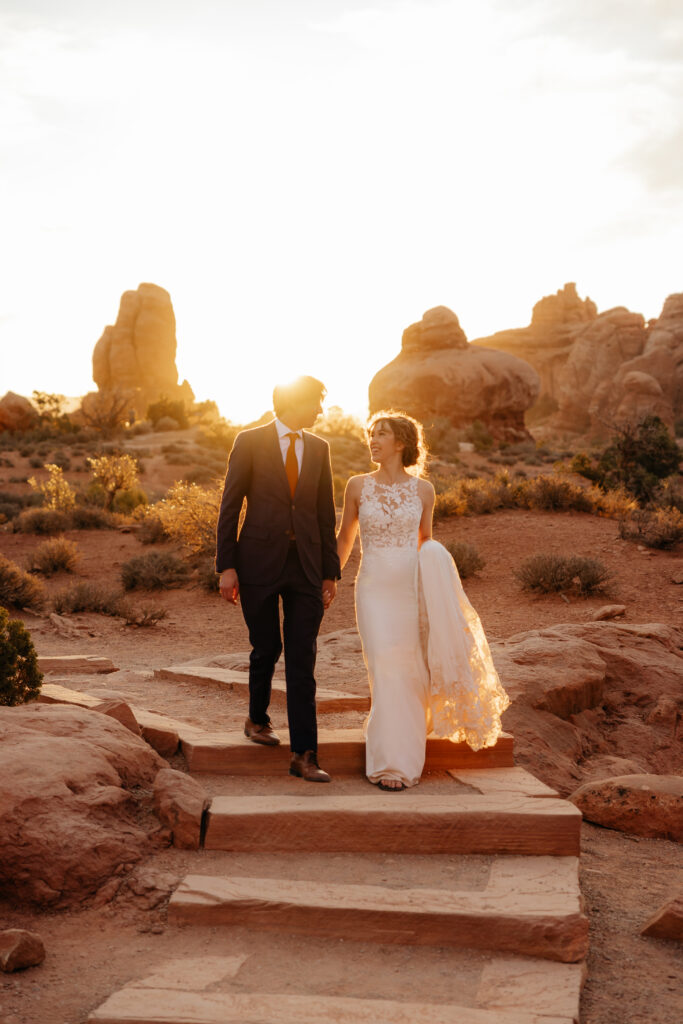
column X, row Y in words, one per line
column 383, row 443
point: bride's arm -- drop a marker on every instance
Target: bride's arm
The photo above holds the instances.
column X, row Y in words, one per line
column 349, row 520
column 427, row 496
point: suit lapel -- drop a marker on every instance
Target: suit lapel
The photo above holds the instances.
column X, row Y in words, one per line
column 308, row 460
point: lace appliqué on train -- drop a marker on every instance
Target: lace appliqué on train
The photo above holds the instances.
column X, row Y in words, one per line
column 389, row 514
column 466, row 696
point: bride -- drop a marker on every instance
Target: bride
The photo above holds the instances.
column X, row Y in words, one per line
column 428, row 661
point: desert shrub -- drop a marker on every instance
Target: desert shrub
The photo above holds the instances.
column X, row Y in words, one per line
column 448, row 503
column 88, row 597
column 114, row 473
column 57, row 492
column 166, row 408
column 466, row 557
column 638, row 459
column 200, row 475
column 337, row 423
column 20, row 677
column 85, row 517
column 166, row 423
column 126, row 501
column 36, row 462
column 547, row 573
column 152, row 531
column 154, row 570
column 220, row 435
column 62, row 460
column 556, row 493
column 58, row 555
column 141, row 615
column 45, row 521
column 479, row 435
column 655, row 528
column 208, row 577
column 189, row 514
column 613, row 504
column 18, row 589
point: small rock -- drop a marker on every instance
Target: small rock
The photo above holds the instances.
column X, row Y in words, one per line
column 19, row 949
column 119, row 710
column 82, row 664
column 667, row 923
column 644, row 805
column 677, row 577
column 65, row 627
column 608, row 611
column 666, row 710
column 180, row 802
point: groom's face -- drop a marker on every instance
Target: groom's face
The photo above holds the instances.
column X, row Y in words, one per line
column 307, row 412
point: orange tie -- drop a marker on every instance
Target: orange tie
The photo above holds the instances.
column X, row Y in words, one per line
column 291, row 464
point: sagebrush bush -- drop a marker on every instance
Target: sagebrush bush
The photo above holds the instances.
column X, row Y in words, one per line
column 655, row 528
column 20, row 677
column 44, row 521
column 114, row 473
column 58, row 494
column 466, row 557
column 88, row 597
column 18, row 589
column 58, row 555
column 87, row 517
column 152, row 531
column 153, row 571
column 208, row 577
column 142, row 615
column 556, row 493
column 547, row 573
column 126, row 501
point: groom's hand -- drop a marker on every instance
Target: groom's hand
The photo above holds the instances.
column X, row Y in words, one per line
column 329, row 592
column 229, row 586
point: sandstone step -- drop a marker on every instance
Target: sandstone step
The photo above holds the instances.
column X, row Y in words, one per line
column 75, row 664
column 161, row 1006
column 497, row 781
column 341, row 752
column 394, row 822
column 529, row 917
column 327, row 701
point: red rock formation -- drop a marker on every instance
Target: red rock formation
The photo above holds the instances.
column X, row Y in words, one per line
column 16, row 412
column 438, row 374
column 137, row 355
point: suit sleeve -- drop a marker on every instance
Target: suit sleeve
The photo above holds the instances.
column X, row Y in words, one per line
column 234, row 491
column 327, row 520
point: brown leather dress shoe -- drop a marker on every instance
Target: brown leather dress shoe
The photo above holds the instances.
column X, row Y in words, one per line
column 305, row 766
column 261, row 733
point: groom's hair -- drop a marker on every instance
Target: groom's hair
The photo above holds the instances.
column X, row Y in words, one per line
column 297, row 393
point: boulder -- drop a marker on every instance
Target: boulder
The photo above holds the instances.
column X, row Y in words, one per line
column 180, row 802
column 20, row 949
column 608, row 611
column 16, row 412
column 137, row 355
column 73, row 801
column 667, row 923
column 439, row 375
column 644, row 805
column 119, row 710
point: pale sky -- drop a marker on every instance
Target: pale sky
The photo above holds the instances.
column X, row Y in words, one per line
column 307, row 177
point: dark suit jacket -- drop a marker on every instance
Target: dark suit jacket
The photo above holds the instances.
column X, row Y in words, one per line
column 256, row 472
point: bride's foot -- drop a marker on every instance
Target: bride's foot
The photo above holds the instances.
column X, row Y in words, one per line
column 391, row 785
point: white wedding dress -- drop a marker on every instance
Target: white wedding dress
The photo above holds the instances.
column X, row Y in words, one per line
column 424, row 647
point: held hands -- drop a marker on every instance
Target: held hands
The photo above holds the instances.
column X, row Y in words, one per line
column 329, row 592
column 229, row 586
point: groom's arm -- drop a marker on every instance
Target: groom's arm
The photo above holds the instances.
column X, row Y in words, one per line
column 327, row 520
column 234, row 491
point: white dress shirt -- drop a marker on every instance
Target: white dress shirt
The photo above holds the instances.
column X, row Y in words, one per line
column 282, row 432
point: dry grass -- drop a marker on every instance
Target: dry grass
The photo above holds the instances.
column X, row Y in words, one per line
column 18, row 589
column 466, row 557
column 548, row 574
column 655, row 528
column 154, row 571
column 57, row 555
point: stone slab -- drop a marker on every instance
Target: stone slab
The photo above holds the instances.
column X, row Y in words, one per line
column 341, row 752
column 75, row 664
column 160, row 1006
column 667, row 923
column 397, row 823
column 192, row 974
column 548, row 924
column 327, row 701
column 497, row 781
column 551, row 988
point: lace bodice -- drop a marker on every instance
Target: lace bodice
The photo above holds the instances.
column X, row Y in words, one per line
column 389, row 514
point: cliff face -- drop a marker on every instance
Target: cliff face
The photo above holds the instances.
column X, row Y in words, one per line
column 601, row 369
column 137, row 354
column 438, row 374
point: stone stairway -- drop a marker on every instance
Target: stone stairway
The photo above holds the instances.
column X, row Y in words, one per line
column 471, row 878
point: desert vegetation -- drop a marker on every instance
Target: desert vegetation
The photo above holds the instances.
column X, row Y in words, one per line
column 20, row 677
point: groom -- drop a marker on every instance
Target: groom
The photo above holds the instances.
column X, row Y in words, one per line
column 286, row 550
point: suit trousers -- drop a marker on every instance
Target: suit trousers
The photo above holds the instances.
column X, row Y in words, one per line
column 302, row 607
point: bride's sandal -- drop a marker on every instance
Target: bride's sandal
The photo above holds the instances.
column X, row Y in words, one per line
column 383, row 785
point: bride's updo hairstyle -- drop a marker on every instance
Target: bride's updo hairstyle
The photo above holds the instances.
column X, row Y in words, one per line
column 407, row 432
